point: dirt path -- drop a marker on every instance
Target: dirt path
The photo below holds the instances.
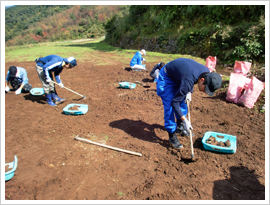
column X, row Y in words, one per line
column 54, row 166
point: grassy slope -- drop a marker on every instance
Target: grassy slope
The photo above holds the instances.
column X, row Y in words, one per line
column 82, row 50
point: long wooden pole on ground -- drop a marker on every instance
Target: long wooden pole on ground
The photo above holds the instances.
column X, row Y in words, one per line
column 107, row 146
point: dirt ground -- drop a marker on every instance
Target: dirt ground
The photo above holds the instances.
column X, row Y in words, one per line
column 52, row 165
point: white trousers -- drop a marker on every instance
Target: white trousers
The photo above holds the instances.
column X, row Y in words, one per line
column 138, row 67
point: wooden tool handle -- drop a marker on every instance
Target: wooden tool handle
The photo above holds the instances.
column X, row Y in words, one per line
column 190, row 132
column 68, row 89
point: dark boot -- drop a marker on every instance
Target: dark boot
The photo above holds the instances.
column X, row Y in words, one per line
column 174, row 141
column 56, row 99
column 49, row 100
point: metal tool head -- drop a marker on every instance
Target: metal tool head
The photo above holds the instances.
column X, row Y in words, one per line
column 189, row 160
column 84, row 97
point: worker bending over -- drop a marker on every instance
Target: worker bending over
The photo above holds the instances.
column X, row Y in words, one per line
column 175, row 85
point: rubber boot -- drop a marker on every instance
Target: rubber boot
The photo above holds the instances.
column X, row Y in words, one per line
column 56, row 99
column 174, row 141
column 49, row 100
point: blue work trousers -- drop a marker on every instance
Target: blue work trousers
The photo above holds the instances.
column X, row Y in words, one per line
column 166, row 89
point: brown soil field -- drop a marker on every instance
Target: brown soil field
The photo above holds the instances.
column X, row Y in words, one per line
column 52, row 165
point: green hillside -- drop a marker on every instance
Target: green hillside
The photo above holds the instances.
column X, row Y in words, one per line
column 230, row 32
column 226, row 31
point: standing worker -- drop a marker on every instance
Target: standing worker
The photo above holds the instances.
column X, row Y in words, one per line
column 136, row 61
column 45, row 66
column 175, row 85
column 17, row 77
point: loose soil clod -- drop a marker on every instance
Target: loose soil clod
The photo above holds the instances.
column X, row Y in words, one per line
column 75, row 107
column 212, row 140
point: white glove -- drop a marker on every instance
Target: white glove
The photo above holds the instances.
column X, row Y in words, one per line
column 48, row 80
column 188, row 97
column 18, row 92
column 144, row 60
column 61, row 85
column 187, row 125
column 7, row 89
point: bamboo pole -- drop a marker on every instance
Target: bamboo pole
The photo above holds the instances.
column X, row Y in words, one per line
column 107, row 146
column 70, row 90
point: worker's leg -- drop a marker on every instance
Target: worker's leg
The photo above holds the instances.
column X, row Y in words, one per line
column 48, row 87
column 138, row 67
column 15, row 83
column 165, row 89
column 56, row 98
column 26, row 88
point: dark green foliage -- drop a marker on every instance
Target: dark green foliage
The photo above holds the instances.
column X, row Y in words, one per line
column 230, row 32
column 39, row 32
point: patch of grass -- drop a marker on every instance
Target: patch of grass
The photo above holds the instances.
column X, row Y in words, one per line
column 82, row 50
column 49, row 140
column 225, row 81
column 121, row 194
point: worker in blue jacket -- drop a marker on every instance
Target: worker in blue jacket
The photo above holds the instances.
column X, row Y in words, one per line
column 17, row 77
column 136, row 61
column 45, row 66
column 175, row 85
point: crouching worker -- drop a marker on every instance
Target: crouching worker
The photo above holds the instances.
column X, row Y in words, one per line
column 45, row 66
column 175, row 85
column 136, row 61
column 155, row 71
column 17, row 77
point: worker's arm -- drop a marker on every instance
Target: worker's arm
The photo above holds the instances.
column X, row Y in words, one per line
column 21, row 86
column 179, row 97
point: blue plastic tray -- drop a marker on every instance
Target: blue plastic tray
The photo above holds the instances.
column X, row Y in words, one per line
column 127, row 85
column 82, row 109
column 231, row 149
column 9, row 174
column 37, row 91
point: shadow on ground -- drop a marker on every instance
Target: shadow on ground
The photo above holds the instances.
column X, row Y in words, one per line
column 141, row 130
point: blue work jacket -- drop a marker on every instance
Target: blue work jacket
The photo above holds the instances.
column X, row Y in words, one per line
column 52, row 63
column 185, row 74
column 137, row 59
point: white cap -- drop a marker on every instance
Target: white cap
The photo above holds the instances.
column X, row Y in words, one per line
column 144, row 52
column 71, row 59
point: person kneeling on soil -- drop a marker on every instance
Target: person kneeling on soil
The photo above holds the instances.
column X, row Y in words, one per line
column 155, row 71
column 175, row 85
column 17, row 77
column 136, row 61
column 45, row 66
